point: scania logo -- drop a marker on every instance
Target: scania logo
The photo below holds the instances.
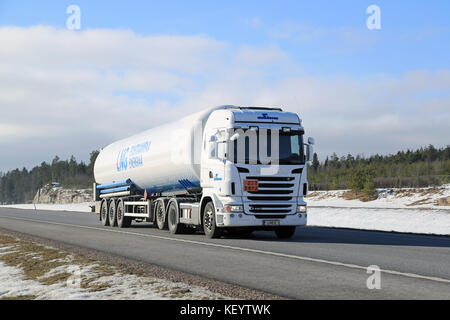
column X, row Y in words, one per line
column 265, row 116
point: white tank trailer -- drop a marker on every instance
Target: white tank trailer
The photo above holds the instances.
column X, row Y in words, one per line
column 225, row 170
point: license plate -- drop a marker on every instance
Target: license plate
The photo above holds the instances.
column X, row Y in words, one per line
column 271, row 222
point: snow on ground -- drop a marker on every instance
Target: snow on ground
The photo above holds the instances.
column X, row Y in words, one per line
column 75, row 207
column 387, row 198
column 424, row 221
column 72, row 277
column 400, row 210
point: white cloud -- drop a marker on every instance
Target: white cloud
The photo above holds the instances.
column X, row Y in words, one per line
column 66, row 93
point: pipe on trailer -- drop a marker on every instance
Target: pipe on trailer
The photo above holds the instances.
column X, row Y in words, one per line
column 116, row 194
column 113, row 190
column 124, row 183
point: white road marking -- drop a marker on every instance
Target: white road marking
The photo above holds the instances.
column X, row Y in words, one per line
column 271, row 253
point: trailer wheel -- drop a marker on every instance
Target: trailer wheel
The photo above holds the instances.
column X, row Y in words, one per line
column 122, row 221
column 104, row 213
column 285, row 232
column 112, row 213
column 173, row 218
column 209, row 222
column 160, row 212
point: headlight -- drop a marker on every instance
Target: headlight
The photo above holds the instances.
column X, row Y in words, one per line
column 301, row 208
column 234, row 209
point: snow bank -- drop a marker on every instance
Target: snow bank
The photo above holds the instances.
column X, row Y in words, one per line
column 400, row 210
column 422, row 198
column 399, row 220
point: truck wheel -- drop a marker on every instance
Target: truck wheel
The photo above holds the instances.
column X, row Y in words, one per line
column 160, row 211
column 112, row 214
column 173, row 219
column 104, row 213
column 209, row 222
column 122, row 221
column 285, row 232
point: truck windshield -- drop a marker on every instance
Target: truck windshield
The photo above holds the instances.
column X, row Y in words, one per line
column 250, row 148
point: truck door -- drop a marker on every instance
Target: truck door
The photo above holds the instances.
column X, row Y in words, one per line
column 214, row 158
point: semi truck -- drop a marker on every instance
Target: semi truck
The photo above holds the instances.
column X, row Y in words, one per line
column 228, row 169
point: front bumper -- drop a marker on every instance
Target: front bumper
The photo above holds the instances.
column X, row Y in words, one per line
column 224, row 219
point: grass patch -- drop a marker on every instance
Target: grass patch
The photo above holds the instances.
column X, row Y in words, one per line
column 362, row 196
column 419, row 202
column 35, row 261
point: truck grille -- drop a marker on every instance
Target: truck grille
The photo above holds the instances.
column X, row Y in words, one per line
column 275, row 195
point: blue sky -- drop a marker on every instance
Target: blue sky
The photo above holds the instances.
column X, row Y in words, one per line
column 414, row 34
column 357, row 90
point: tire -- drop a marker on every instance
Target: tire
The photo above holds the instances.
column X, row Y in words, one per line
column 173, row 218
column 285, row 232
column 104, row 217
column 112, row 214
column 160, row 215
column 209, row 222
column 122, row 222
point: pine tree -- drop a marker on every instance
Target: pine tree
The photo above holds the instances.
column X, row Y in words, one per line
column 315, row 162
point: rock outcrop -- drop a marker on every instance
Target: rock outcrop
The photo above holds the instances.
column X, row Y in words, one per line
column 59, row 195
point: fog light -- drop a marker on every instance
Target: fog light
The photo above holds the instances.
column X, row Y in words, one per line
column 300, row 215
column 301, row 208
column 232, row 215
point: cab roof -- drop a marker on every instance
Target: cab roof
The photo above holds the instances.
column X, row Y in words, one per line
column 263, row 115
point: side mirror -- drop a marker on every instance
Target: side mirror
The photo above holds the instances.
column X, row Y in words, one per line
column 212, row 139
column 309, row 153
column 311, row 141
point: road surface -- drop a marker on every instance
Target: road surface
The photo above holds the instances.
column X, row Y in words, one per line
column 317, row 263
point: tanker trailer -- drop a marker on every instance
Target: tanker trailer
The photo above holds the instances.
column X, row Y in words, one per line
column 228, row 169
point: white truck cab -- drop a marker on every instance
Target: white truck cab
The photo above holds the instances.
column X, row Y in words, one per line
column 246, row 188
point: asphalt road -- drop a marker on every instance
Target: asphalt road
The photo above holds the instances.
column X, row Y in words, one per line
column 318, row 263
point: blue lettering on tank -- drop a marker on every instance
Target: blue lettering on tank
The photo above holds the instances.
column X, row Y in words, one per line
column 122, row 160
column 131, row 157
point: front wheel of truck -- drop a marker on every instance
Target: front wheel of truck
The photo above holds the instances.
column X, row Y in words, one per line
column 209, row 222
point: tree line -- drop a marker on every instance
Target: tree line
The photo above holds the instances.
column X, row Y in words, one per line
column 420, row 168
column 20, row 186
